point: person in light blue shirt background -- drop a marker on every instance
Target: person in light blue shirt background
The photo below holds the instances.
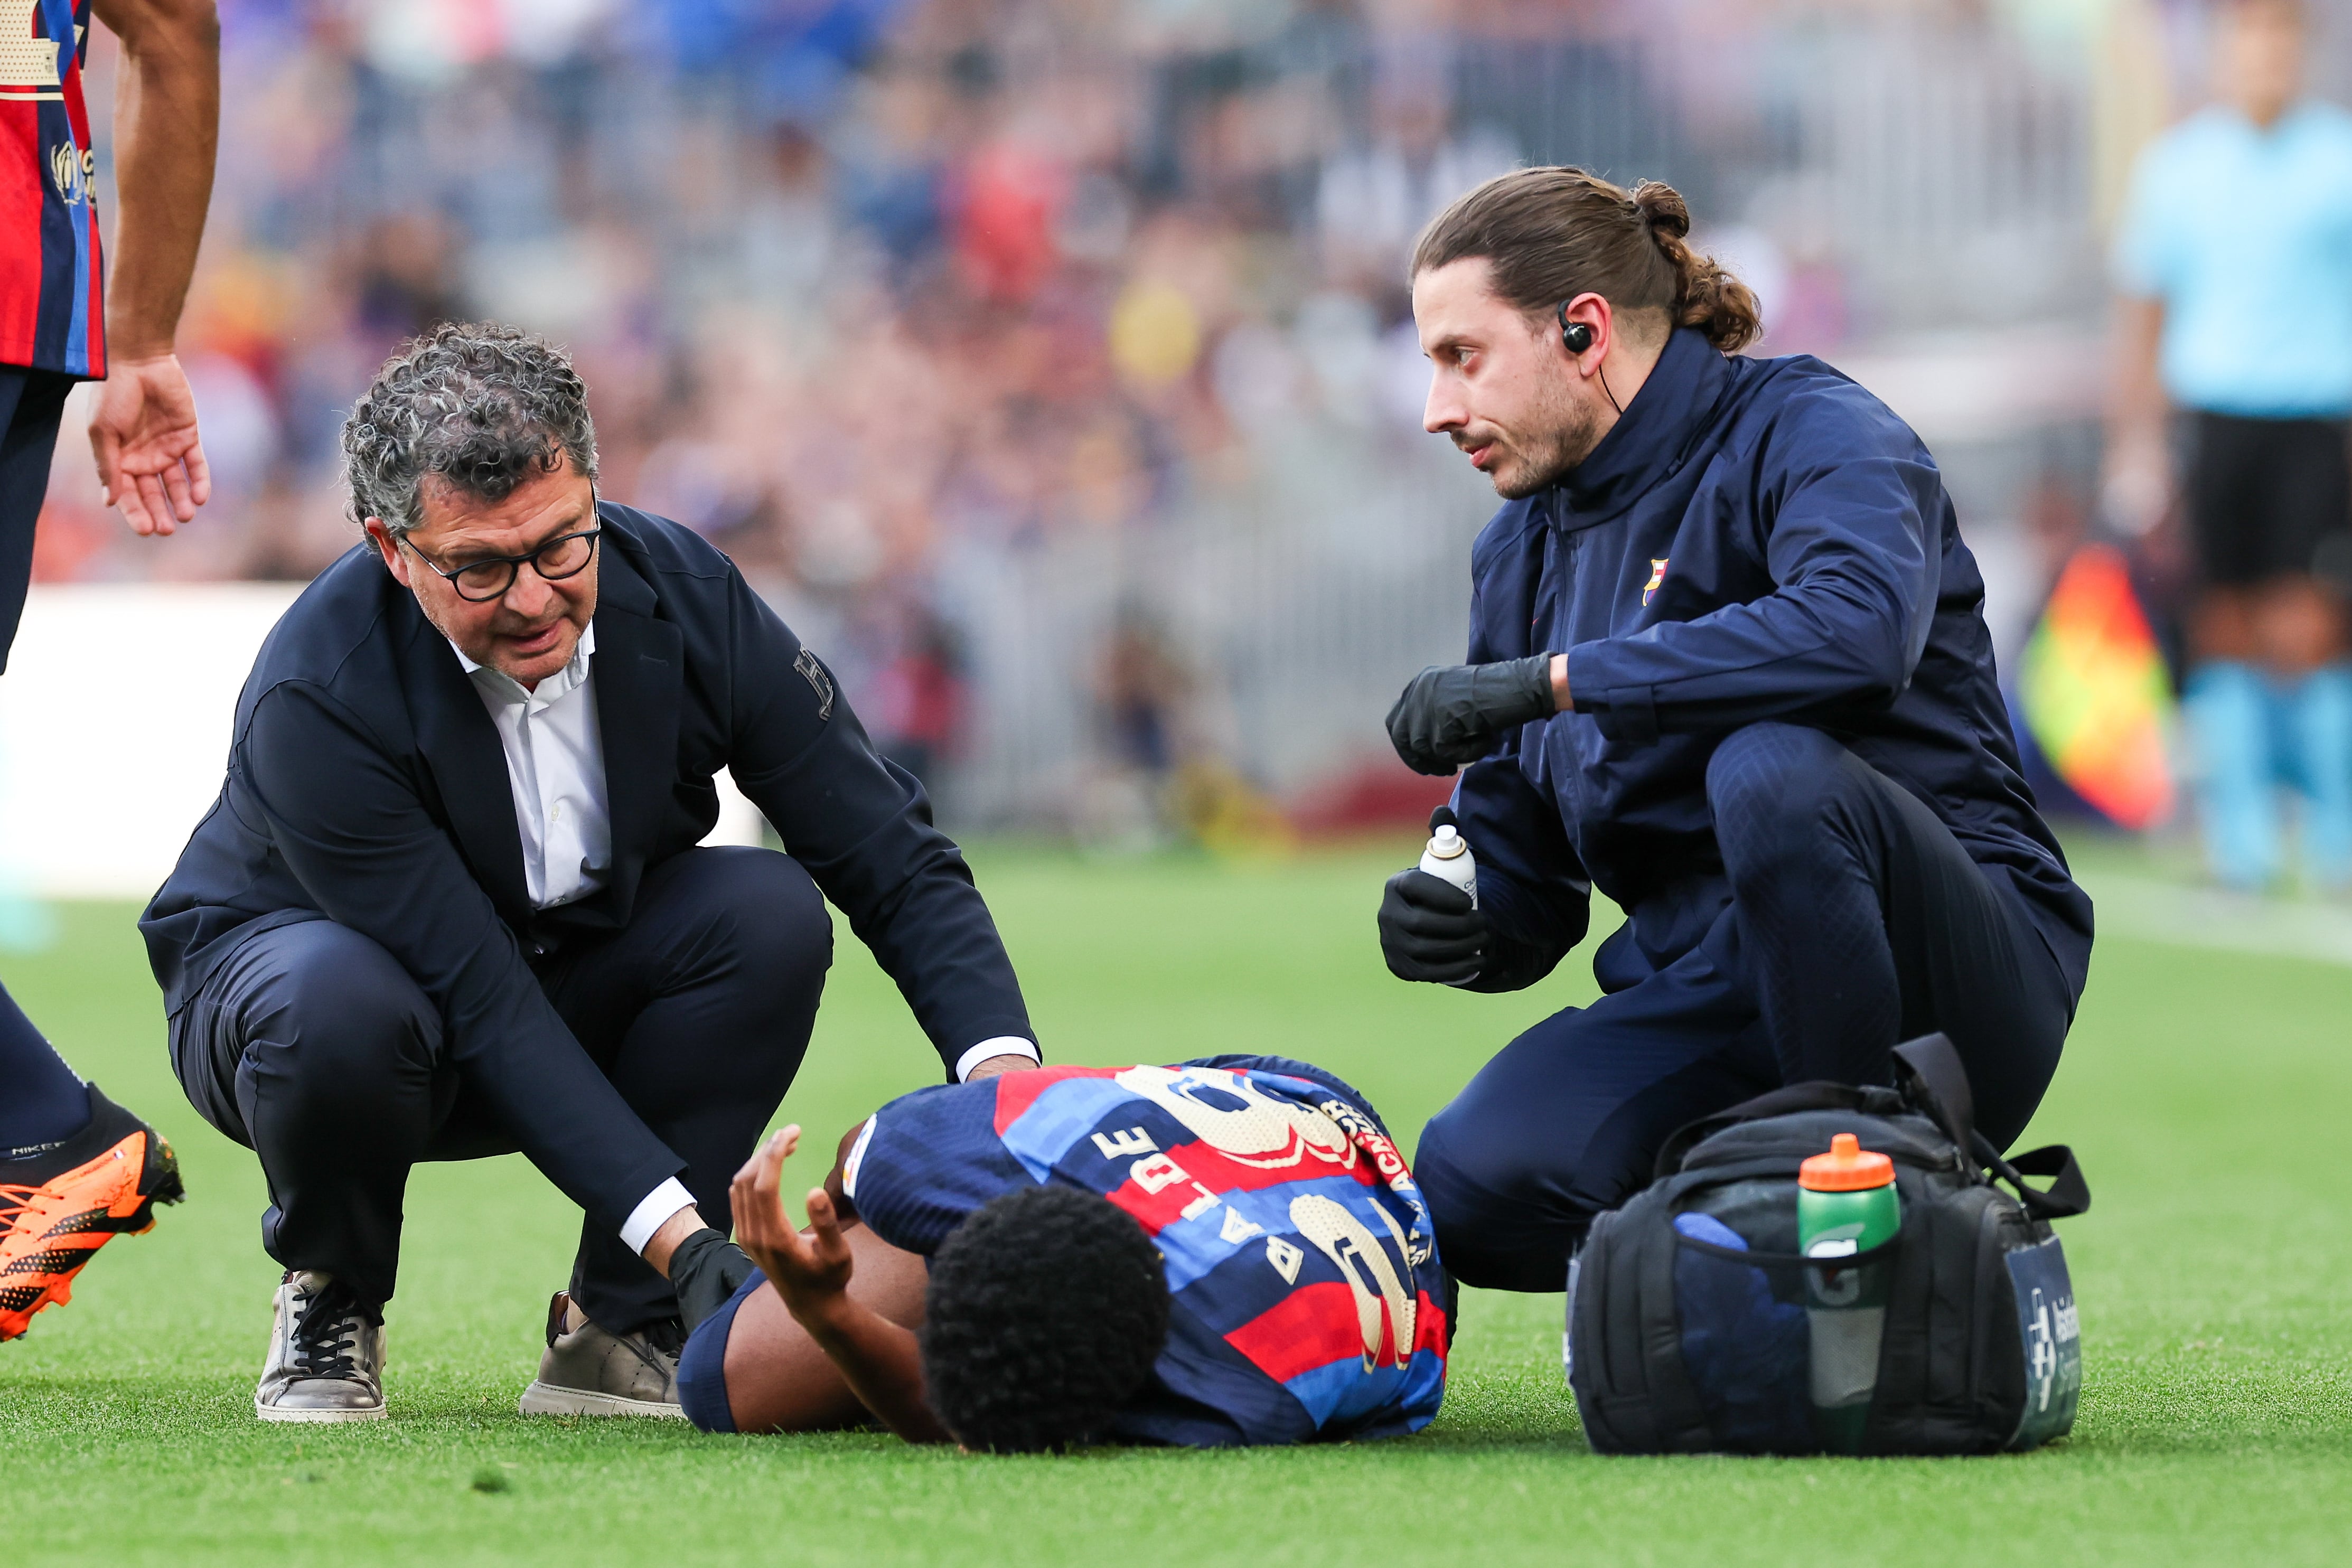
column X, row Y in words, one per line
column 2234, row 268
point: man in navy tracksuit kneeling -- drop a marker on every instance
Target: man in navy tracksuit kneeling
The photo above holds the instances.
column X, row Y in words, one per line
column 1728, row 662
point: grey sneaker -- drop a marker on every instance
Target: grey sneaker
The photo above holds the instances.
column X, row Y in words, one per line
column 589, row 1371
column 326, row 1354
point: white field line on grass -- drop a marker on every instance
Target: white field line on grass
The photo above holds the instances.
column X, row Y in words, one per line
column 2212, row 917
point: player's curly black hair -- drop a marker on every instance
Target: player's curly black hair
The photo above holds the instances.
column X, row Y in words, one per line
column 1044, row 1313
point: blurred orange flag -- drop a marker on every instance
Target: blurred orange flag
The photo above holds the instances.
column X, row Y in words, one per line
column 2094, row 692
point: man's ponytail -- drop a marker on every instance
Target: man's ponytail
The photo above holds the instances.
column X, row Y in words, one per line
column 1706, row 296
column 1552, row 234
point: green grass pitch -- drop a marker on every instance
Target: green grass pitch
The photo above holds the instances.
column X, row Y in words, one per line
column 2207, row 1092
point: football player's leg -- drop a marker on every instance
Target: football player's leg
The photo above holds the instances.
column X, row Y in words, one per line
column 76, row 1169
column 41, row 1100
column 753, row 1368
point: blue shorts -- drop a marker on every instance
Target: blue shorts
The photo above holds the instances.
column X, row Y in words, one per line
column 702, row 1365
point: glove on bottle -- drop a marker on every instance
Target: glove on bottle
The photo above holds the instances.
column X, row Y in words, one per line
column 1429, row 930
column 1450, row 714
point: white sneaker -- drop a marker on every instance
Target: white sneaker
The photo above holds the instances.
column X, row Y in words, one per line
column 326, row 1354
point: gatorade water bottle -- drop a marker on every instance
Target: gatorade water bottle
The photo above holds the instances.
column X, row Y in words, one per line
column 1846, row 1204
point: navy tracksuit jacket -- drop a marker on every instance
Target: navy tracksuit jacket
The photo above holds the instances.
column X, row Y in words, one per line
column 1788, row 761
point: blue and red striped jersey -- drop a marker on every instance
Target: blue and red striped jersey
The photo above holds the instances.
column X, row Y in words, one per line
column 52, row 302
column 1308, row 1301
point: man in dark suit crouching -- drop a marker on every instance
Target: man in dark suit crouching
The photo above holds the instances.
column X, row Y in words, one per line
column 449, row 902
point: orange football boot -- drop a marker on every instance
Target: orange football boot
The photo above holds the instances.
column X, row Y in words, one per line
column 64, row 1203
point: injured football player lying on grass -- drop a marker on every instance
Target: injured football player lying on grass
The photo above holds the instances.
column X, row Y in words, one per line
column 1224, row 1251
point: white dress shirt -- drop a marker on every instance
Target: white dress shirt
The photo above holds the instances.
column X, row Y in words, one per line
column 556, row 763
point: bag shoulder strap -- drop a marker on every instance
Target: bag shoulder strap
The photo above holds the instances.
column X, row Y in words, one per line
column 1930, row 1072
column 2068, row 1193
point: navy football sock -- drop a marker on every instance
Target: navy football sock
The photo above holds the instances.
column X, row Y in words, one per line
column 41, row 1100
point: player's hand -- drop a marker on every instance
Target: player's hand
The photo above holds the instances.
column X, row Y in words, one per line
column 810, row 1269
column 1450, row 714
column 143, row 434
column 1429, row 930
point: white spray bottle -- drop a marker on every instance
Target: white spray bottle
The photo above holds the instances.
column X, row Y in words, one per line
column 1448, row 856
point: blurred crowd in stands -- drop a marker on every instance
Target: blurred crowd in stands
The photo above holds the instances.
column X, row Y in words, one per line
column 851, row 281
column 844, row 277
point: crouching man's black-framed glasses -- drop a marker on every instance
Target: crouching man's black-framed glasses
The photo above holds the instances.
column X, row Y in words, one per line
column 480, row 581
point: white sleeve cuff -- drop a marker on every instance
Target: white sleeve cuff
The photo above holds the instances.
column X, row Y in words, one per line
column 857, row 1160
column 1002, row 1045
column 654, row 1212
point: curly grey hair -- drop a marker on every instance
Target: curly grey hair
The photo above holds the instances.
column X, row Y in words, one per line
column 485, row 406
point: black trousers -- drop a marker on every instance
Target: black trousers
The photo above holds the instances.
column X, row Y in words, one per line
column 311, row 1046
column 1852, row 920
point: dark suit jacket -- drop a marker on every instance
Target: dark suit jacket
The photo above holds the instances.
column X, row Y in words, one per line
column 366, row 786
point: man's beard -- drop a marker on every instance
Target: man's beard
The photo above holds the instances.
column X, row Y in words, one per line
column 1573, row 432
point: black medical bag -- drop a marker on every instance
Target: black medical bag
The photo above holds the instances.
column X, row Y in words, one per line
column 1694, row 1336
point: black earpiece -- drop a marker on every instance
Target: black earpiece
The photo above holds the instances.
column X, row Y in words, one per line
column 1577, row 336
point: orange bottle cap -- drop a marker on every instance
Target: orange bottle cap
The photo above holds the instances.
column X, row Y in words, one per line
column 1847, row 1167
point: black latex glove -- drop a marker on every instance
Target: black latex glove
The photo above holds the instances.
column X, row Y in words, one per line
column 706, row 1271
column 1429, row 930
column 1450, row 714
